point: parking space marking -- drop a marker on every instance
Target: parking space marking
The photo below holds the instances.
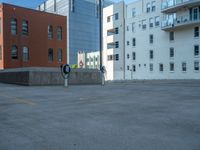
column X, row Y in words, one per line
column 19, row 100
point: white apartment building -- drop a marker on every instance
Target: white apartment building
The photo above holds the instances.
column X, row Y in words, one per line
column 113, row 41
column 89, row 60
column 161, row 39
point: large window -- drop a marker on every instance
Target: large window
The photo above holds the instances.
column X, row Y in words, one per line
column 196, row 32
column 14, row 52
column 157, row 21
column 184, row 66
column 134, row 42
column 151, row 38
column 134, row 56
column 50, row 32
column 25, row 53
column 13, row 25
column 24, row 27
column 150, row 22
column 59, row 55
column 171, row 66
column 171, row 52
column 161, row 67
column 196, row 65
column 171, row 36
column 148, row 7
column 133, row 12
column 196, row 50
column 59, row 33
column 153, row 6
column 50, row 54
column 151, row 54
column 151, row 67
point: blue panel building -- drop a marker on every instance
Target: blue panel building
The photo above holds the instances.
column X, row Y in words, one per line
column 83, row 23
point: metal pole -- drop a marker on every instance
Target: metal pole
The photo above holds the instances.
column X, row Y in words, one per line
column 100, row 31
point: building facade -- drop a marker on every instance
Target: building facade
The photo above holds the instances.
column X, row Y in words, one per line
column 88, row 60
column 161, row 39
column 113, row 41
column 83, row 23
column 30, row 38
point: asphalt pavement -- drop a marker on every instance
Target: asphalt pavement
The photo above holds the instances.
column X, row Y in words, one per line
column 118, row 116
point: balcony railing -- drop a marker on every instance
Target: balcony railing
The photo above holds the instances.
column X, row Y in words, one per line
column 170, row 6
column 180, row 21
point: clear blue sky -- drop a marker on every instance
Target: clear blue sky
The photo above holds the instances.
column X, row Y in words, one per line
column 35, row 3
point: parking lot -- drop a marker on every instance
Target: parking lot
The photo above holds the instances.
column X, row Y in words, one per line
column 118, row 116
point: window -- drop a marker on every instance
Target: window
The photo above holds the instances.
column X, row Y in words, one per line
column 196, row 32
column 151, row 38
column 148, row 7
column 128, row 56
column 59, row 56
column 133, row 12
column 13, row 26
column 171, row 66
column 150, row 22
column 108, row 19
column 184, row 66
column 116, row 57
column 196, row 65
column 112, row 31
column 116, row 16
column 14, row 52
column 195, row 13
column 171, row 36
column 134, row 56
column 128, row 67
column 171, row 52
column 116, row 30
column 144, row 26
column 25, row 53
column 127, row 43
column 24, row 27
column 110, row 57
column 134, row 68
column 161, row 68
column 133, row 27
column 196, row 50
column 59, row 33
column 127, row 28
column 151, row 54
column 150, row 67
column 1, row 53
column 157, row 21
column 117, row 44
column 153, row 6
column 50, row 55
column 50, row 32
column 134, row 42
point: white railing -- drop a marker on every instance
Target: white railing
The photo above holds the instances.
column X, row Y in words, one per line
column 180, row 20
column 171, row 3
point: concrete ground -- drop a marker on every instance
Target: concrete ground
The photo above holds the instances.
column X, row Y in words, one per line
column 119, row 116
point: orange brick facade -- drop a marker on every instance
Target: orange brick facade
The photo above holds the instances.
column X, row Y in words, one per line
column 36, row 40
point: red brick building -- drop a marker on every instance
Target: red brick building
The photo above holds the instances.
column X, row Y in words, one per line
column 30, row 38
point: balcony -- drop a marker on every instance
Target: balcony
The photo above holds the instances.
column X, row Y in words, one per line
column 179, row 22
column 170, row 6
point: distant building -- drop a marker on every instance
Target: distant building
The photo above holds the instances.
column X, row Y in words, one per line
column 83, row 23
column 152, row 39
column 30, row 38
column 89, row 60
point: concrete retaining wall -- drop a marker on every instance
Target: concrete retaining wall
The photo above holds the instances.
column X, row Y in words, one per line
column 49, row 76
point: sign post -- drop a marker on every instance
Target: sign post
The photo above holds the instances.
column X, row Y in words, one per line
column 65, row 71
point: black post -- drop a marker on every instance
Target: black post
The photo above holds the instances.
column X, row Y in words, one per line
column 100, row 31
